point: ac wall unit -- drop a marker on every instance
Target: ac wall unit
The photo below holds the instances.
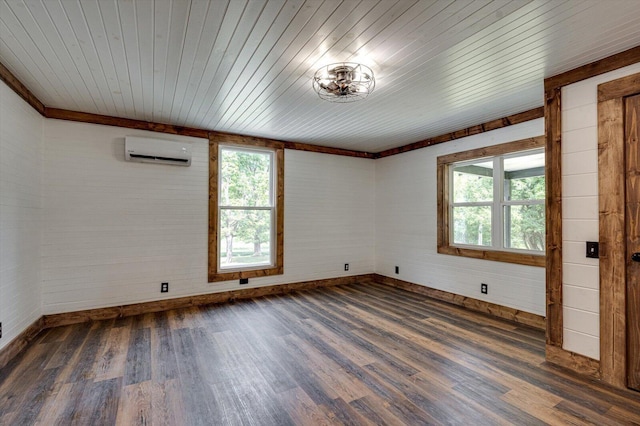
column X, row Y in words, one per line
column 147, row 150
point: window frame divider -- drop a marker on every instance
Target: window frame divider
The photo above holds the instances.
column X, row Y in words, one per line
column 445, row 206
column 245, row 143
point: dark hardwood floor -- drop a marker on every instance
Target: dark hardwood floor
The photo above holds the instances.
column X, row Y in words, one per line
column 357, row 354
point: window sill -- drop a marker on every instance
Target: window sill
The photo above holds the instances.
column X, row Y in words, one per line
column 245, row 273
column 497, row 256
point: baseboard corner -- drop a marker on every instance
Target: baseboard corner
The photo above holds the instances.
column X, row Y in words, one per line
column 21, row 341
column 573, row 361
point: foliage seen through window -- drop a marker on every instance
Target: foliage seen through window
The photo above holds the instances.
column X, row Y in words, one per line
column 503, row 213
column 246, row 208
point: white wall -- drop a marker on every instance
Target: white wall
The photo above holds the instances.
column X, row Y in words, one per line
column 580, row 288
column 20, row 214
column 406, row 221
column 115, row 230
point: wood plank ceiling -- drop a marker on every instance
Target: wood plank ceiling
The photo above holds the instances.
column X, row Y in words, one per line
column 245, row 66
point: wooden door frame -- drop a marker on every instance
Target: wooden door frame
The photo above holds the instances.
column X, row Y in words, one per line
column 612, row 223
column 553, row 132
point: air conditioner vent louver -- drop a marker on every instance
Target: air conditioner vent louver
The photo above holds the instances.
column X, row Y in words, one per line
column 150, row 157
column 159, row 151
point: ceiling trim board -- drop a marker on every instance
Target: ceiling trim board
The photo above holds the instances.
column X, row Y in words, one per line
column 299, row 146
column 604, row 65
column 85, row 117
column 521, row 117
column 20, row 89
column 222, row 137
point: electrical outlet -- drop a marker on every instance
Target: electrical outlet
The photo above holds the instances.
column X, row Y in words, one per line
column 346, row 266
column 244, row 280
column 484, row 288
column 164, row 288
column 397, row 269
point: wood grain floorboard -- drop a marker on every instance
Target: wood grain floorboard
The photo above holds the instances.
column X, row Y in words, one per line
column 356, row 354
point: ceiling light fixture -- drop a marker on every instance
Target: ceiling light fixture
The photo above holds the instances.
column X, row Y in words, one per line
column 343, row 82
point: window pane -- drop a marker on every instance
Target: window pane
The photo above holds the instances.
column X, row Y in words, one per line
column 472, row 225
column 524, row 177
column 245, row 238
column 245, row 178
column 473, row 182
column 525, row 227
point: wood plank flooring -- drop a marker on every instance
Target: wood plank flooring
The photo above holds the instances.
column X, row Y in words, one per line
column 354, row 354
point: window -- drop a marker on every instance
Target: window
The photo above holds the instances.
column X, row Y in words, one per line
column 491, row 203
column 245, row 209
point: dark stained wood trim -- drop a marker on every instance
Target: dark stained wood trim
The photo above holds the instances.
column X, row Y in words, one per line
column 212, row 249
column 215, row 139
column 573, row 361
column 280, row 211
column 442, row 205
column 185, row 302
column 610, row 63
column 83, row 117
column 612, row 226
column 20, row 89
column 328, row 150
column 106, row 120
column 490, row 151
column 553, row 125
column 620, row 88
column 494, row 255
column 257, row 141
column 230, row 138
column 470, row 303
column 631, row 145
column 553, row 154
column 444, row 246
column 20, row 342
column 611, row 236
column 521, row 117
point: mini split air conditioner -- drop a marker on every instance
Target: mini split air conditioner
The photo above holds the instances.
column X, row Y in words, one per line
column 146, row 150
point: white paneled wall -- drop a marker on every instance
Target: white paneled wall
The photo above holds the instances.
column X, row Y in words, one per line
column 406, row 218
column 329, row 216
column 115, row 230
column 20, row 214
column 580, row 281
